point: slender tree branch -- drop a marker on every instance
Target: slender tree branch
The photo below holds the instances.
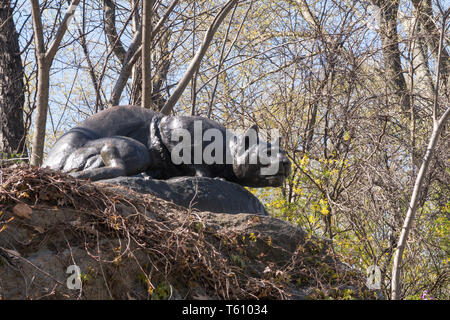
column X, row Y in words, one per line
column 109, row 7
column 53, row 48
column 195, row 63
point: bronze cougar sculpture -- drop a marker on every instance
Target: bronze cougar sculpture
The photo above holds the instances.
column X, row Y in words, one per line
column 128, row 140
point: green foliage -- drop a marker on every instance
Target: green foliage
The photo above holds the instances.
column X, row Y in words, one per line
column 238, row 260
column 359, row 238
column 161, row 292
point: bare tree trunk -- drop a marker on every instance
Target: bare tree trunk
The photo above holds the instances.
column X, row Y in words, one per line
column 44, row 59
column 161, row 69
column 431, row 36
column 388, row 10
column 195, row 63
column 109, row 7
column 12, row 129
column 423, row 80
column 133, row 54
column 38, row 138
column 41, row 113
column 136, row 73
column 136, row 83
column 147, row 12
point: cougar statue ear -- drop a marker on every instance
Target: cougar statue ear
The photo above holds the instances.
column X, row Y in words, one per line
column 251, row 130
column 249, row 136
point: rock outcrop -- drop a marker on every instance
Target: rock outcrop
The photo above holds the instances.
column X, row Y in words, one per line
column 129, row 245
column 201, row 193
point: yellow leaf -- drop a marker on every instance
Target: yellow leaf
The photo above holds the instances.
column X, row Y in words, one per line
column 24, row 195
column 324, row 211
column 346, row 136
column 39, row 229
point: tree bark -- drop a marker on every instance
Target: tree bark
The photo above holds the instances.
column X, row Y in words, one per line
column 136, row 73
column 147, row 11
column 44, row 59
column 388, row 10
column 431, row 36
column 43, row 88
column 109, row 7
column 12, row 130
column 125, row 72
column 420, row 73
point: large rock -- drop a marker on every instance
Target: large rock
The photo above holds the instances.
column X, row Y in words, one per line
column 201, row 193
column 129, row 245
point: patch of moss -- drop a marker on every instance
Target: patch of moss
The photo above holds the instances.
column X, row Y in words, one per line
column 161, row 292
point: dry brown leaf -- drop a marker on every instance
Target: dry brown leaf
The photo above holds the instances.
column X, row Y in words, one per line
column 43, row 196
column 39, row 229
column 22, row 210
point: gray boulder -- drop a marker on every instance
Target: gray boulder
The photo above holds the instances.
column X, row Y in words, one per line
column 201, row 193
column 128, row 245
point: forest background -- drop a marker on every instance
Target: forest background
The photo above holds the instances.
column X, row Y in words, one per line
column 358, row 89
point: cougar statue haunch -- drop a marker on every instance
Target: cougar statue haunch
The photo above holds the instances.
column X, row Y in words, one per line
column 128, row 140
